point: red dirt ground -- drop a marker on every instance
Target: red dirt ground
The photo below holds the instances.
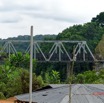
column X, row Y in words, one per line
column 9, row 100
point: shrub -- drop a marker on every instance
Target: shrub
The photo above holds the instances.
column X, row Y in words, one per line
column 2, row 95
column 16, row 81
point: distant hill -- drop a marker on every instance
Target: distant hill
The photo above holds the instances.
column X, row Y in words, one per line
column 36, row 37
column 23, row 46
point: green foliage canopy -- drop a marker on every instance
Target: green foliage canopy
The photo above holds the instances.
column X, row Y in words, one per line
column 90, row 77
column 100, row 49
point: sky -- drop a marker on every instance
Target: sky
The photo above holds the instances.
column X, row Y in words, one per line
column 47, row 16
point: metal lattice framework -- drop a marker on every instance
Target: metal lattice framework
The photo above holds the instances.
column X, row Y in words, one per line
column 51, row 51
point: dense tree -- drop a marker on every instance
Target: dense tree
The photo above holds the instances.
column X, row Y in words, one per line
column 20, row 60
column 14, row 81
column 71, row 32
column 100, row 49
column 89, row 32
column 36, row 37
column 99, row 19
column 52, row 77
column 90, row 77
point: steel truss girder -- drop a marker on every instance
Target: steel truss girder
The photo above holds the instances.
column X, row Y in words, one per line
column 58, row 51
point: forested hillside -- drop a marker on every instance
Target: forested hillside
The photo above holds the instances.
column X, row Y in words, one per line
column 91, row 32
column 36, row 37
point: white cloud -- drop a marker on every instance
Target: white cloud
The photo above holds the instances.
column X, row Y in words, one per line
column 10, row 17
column 48, row 16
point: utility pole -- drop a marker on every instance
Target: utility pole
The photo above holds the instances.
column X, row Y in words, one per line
column 68, row 70
column 71, row 75
column 31, row 65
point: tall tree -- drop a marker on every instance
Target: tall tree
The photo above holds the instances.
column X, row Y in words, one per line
column 100, row 49
column 99, row 19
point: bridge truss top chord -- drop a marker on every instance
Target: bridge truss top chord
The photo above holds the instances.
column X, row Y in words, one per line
column 50, row 51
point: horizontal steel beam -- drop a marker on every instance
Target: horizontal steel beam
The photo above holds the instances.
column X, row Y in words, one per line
column 43, row 41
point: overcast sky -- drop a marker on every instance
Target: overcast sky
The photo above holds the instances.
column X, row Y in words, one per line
column 47, row 16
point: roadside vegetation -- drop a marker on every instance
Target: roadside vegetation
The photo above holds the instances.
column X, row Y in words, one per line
column 90, row 77
column 14, row 79
column 14, row 76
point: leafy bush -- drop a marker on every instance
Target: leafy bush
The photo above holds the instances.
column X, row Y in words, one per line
column 91, row 77
column 2, row 95
column 52, row 77
column 14, row 81
column 20, row 60
column 40, row 80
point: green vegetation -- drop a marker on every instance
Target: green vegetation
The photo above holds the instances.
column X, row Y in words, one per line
column 99, row 19
column 52, row 77
column 90, row 32
column 100, row 49
column 90, row 77
column 14, row 78
column 20, row 60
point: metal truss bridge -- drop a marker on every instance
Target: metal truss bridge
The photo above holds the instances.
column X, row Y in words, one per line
column 50, row 51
